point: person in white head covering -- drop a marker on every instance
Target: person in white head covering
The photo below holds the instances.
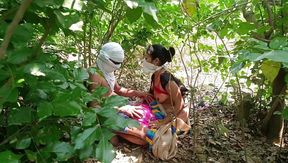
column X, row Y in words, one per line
column 109, row 60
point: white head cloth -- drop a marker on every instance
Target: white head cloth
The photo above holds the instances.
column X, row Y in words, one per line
column 109, row 54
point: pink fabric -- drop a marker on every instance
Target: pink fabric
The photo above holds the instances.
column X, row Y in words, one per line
column 147, row 115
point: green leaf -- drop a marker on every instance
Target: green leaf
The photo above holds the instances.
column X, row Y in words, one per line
column 189, row 7
column 19, row 55
column 100, row 91
column 56, row 76
column 134, row 14
column 113, row 101
column 285, row 113
column 44, row 110
column 89, row 118
column 22, row 34
column 149, row 8
column 86, row 152
column 48, row 134
column 66, row 19
column 80, row 74
column 18, row 116
column 23, row 143
column 9, row 157
column 104, row 151
column 275, row 55
column 63, row 150
column 32, row 156
column 270, row 69
column 251, row 56
column 106, row 112
column 71, row 108
column 4, row 75
column 278, row 43
column 8, row 94
column 87, row 137
column 245, row 28
column 150, row 20
column 35, row 69
column 236, row 67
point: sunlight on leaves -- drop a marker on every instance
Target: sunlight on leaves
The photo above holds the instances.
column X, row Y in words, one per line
column 270, row 69
column 77, row 26
column 77, row 4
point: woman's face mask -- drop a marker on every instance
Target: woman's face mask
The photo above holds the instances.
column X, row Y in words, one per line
column 149, row 67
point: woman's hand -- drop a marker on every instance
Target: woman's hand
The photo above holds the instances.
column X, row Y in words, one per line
column 132, row 111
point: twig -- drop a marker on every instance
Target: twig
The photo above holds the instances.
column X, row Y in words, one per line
column 19, row 15
column 213, row 17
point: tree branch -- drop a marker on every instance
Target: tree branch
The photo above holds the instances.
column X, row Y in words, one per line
column 19, row 15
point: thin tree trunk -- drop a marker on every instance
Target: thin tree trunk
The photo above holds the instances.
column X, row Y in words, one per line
column 273, row 123
column 84, row 42
column 19, row 15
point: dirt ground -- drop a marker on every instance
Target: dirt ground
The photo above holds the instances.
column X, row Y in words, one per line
column 215, row 136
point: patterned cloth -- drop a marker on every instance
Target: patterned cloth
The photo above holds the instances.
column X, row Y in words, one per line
column 159, row 116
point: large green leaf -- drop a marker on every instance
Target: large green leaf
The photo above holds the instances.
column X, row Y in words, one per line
column 279, row 43
column 4, row 74
column 236, row 67
column 44, row 110
column 104, row 151
column 189, row 7
column 113, row 101
column 89, row 118
column 87, row 137
column 32, row 156
column 270, row 69
column 9, row 157
column 19, row 55
column 66, row 19
column 62, row 109
column 23, row 143
column 80, row 74
column 149, row 8
column 134, row 14
column 100, row 91
column 8, row 94
column 275, row 55
column 245, row 28
column 35, row 69
column 22, row 34
column 150, row 20
column 86, row 152
column 107, row 112
column 63, row 150
column 48, row 134
column 18, row 116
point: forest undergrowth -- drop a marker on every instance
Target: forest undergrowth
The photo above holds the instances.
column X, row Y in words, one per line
column 216, row 136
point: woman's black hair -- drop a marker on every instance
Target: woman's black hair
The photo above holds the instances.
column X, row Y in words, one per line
column 160, row 52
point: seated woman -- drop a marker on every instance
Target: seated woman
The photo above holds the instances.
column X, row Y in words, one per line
column 166, row 90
